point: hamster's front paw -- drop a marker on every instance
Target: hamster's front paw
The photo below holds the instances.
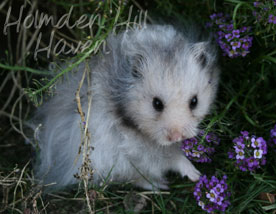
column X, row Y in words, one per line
column 186, row 168
column 192, row 173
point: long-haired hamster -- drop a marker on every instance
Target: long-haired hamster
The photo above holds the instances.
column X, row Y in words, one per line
column 150, row 91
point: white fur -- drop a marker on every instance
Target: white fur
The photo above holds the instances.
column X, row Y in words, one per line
column 130, row 153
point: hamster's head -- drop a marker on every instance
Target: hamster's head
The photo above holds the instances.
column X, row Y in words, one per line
column 166, row 84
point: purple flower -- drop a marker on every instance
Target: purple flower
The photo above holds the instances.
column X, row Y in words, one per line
column 200, row 147
column 240, row 155
column 248, row 152
column 213, row 16
column 256, row 142
column 236, row 33
column 258, row 153
column 246, row 46
column 195, row 153
column 187, row 152
column 242, row 168
column 273, row 132
column 265, row 14
column 219, row 200
column 205, row 179
column 245, row 134
column 244, row 29
column 231, row 41
column 263, row 145
column 252, row 162
column 201, row 204
column 212, row 195
column 256, row 4
column 231, row 155
column 238, row 140
column 228, row 37
column 199, row 151
column 212, row 138
column 239, row 146
column 230, row 27
column 224, row 46
column 219, row 189
column 270, row 18
column 246, row 39
column 221, row 34
column 232, row 53
column 274, row 20
column 214, row 181
column 223, row 183
column 197, row 193
column 235, row 45
column 222, row 26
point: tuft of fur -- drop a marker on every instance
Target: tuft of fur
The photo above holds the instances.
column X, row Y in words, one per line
column 132, row 141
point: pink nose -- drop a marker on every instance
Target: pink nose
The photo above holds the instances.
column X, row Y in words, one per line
column 175, row 136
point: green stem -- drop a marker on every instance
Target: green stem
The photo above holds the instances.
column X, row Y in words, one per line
column 19, row 68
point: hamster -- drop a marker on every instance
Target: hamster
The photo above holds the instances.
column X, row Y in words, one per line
column 150, row 91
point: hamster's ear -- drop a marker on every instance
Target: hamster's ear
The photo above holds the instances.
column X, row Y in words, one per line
column 133, row 53
column 136, row 63
column 203, row 53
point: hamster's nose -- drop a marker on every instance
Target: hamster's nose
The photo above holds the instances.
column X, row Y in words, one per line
column 175, row 136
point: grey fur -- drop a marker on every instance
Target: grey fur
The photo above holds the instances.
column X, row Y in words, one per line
column 128, row 136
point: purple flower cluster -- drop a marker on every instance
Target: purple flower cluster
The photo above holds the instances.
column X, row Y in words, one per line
column 249, row 152
column 272, row 19
column 212, row 195
column 234, row 42
column 199, row 151
column 265, row 12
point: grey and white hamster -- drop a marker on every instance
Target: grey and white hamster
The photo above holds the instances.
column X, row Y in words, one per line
column 149, row 92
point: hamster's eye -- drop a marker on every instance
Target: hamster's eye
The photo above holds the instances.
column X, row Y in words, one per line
column 193, row 103
column 157, row 104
